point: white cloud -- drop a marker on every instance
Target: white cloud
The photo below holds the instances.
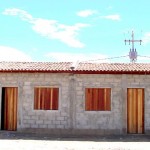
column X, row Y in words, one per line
column 12, row 54
column 18, row 12
column 86, row 13
column 72, row 57
column 64, row 33
column 146, row 38
column 51, row 28
column 112, row 17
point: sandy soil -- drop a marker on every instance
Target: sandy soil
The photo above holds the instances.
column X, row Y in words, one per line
column 11, row 141
column 71, row 145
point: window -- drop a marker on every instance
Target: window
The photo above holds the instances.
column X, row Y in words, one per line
column 97, row 99
column 46, row 98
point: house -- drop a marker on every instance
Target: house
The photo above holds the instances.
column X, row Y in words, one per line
column 87, row 98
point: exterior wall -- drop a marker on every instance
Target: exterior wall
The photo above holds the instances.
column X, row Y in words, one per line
column 103, row 122
column 142, row 81
column 28, row 117
column 71, row 118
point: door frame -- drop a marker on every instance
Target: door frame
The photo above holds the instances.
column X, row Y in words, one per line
column 17, row 111
column 144, row 99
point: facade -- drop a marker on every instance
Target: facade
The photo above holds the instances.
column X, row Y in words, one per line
column 58, row 98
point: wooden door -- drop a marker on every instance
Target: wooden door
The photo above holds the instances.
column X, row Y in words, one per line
column 135, row 110
column 10, row 97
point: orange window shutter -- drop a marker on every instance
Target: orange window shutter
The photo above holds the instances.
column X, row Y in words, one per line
column 55, row 98
column 38, row 98
column 51, row 99
column 101, row 99
column 107, row 99
column 92, row 99
column 90, row 94
column 47, row 99
column 97, row 99
column 88, row 99
column 35, row 98
column 43, row 98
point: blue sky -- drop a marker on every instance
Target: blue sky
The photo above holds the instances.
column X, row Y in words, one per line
column 71, row 30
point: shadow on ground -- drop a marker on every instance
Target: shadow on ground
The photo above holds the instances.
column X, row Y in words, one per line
column 106, row 138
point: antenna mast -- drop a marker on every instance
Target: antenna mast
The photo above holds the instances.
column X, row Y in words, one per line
column 133, row 52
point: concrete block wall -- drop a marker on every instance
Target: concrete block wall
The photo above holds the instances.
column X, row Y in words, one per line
column 29, row 118
column 71, row 115
column 114, row 121
column 142, row 81
column 102, row 121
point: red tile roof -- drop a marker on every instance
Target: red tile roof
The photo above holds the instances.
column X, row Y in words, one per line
column 34, row 66
column 112, row 68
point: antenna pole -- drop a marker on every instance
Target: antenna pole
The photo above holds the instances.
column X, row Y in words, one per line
column 132, row 40
column 133, row 52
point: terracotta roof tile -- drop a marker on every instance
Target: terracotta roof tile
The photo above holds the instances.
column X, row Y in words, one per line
column 34, row 66
column 110, row 67
column 80, row 67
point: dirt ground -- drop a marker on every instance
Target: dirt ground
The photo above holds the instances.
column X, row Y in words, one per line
column 15, row 141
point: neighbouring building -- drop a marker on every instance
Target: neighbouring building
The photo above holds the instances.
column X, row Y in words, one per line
column 88, row 98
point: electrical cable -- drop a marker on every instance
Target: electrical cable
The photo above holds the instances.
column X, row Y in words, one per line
column 106, row 58
column 112, row 58
column 144, row 56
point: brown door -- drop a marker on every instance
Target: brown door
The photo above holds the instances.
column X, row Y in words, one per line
column 9, row 104
column 135, row 110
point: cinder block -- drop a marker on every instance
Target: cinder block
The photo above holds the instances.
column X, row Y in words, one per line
column 60, row 118
column 27, row 83
column 64, row 114
column 56, row 122
column 43, row 126
column 39, row 122
column 34, row 126
column 31, row 121
column 63, row 122
column 51, row 126
column 47, row 122
column 60, row 126
column 26, row 117
column 27, row 126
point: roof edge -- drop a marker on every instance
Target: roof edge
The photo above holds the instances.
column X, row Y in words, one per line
column 75, row 71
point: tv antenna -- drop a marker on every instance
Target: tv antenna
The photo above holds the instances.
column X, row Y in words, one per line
column 133, row 52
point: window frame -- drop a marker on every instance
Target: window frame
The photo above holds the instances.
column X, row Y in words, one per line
column 43, row 109
column 97, row 110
